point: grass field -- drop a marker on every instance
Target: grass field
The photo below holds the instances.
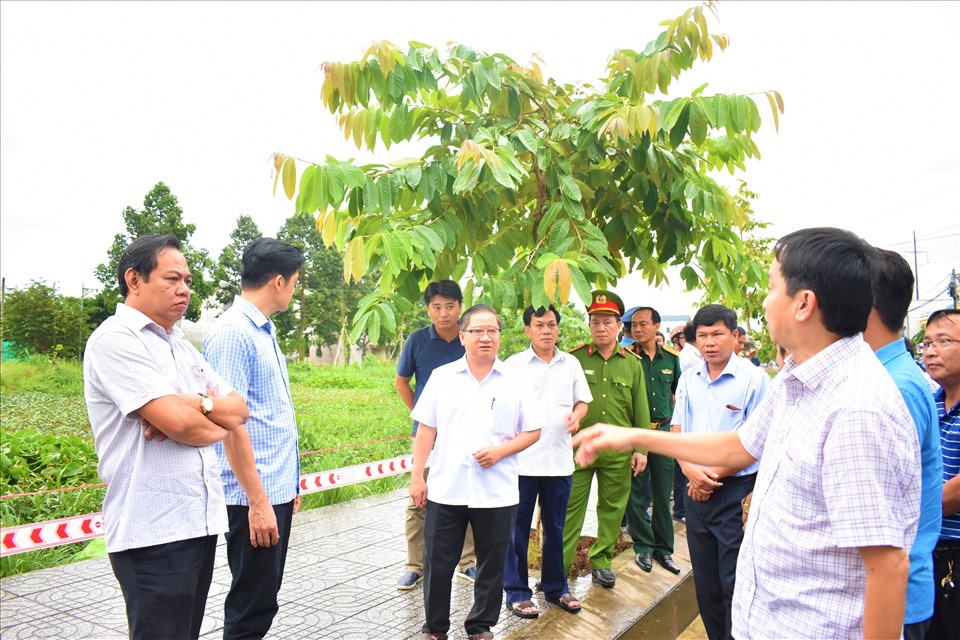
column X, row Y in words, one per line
column 47, row 442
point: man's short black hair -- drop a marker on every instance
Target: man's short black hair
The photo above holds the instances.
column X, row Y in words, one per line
column 892, row 288
column 529, row 312
column 444, row 289
column 654, row 314
column 265, row 258
column 141, row 256
column 942, row 314
column 741, row 331
column 712, row 314
column 836, row 265
column 690, row 333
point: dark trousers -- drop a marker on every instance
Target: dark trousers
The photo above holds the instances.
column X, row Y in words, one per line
column 554, row 493
column 945, row 623
column 251, row 603
column 714, row 534
column 679, row 491
column 655, row 481
column 443, row 533
column 165, row 587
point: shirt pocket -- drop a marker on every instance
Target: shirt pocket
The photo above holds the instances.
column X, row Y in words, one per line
column 622, row 389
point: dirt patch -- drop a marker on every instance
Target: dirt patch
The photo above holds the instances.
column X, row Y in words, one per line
column 581, row 562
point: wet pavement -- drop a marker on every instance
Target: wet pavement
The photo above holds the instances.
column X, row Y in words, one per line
column 340, row 582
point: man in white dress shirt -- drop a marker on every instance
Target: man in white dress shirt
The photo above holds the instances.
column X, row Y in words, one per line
column 546, row 468
column 156, row 408
column 475, row 414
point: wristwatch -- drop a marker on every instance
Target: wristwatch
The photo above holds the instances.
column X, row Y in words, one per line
column 206, row 403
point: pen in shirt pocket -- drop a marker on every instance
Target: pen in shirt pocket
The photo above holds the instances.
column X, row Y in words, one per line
column 732, row 408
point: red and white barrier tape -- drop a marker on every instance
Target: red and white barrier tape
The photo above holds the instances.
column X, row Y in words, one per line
column 52, row 533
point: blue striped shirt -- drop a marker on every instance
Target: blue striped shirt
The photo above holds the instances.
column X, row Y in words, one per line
column 950, row 445
column 242, row 347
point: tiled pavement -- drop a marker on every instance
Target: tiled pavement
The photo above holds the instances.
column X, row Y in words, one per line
column 340, row 582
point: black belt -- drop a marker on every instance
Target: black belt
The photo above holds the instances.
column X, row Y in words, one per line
column 735, row 481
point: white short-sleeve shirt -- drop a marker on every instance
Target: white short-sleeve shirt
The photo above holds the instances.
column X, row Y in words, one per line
column 468, row 416
column 560, row 385
column 157, row 492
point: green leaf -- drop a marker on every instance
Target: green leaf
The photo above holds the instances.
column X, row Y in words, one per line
column 467, row 178
column 569, row 188
column 396, row 252
column 679, row 130
column 412, row 173
column 334, row 184
column 528, row 139
column 698, row 124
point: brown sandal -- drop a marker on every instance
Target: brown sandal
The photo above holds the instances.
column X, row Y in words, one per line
column 564, row 603
column 517, row 608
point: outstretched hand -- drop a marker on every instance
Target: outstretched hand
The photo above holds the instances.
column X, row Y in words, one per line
column 590, row 442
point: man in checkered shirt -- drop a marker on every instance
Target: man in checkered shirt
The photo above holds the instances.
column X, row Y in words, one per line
column 837, row 497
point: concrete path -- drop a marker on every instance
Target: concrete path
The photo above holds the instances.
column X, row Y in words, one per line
column 340, row 582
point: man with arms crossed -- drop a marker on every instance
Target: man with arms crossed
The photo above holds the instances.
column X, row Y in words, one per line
column 717, row 396
column 478, row 413
column 837, row 498
column 941, row 356
column 242, row 347
column 546, row 468
column 164, row 505
column 426, row 349
column 892, row 294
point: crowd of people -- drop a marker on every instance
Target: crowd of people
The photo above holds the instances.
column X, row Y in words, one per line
column 824, row 502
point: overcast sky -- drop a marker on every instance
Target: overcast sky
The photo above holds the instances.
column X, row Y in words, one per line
column 100, row 101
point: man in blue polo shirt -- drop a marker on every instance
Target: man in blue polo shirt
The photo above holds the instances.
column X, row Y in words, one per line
column 892, row 293
column 426, row 349
column 941, row 355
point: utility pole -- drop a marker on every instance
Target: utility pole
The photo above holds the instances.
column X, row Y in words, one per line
column 954, row 289
column 916, row 269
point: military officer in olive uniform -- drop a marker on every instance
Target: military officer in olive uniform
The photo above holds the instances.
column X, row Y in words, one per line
column 653, row 539
column 616, row 382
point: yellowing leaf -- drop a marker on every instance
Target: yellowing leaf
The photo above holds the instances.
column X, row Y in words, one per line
column 329, row 231
column 563, row 274
column 354, row 260
column 773, row 108
column 289, row 178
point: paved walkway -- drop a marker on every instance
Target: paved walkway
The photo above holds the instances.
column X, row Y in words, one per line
column 340, row 582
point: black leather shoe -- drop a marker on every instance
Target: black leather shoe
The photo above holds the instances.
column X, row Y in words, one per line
column 604, row 577
column 645, row 562
column 666, row 561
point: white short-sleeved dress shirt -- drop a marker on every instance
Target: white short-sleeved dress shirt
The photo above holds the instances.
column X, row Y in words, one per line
column 157, row 492
column 560, row 385
column 840, row 469
column 468, row 416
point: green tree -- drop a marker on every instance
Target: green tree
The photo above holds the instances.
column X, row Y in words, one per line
column 532, row 187
column 323, row 304
column 39, row 320
column 226, row 275
column 161, row 213
column 748, row 299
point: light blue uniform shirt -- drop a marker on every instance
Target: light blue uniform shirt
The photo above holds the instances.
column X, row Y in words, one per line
column 706, row 406
column 243, row 349
column 916, row 394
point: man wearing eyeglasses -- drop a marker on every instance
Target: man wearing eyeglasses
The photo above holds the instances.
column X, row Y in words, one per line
column 479, row 413
column 941, row 356
column 616, row 382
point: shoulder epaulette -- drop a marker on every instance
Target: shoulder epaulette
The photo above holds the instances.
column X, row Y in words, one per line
column 585, row 344
column 671, row 350
column 630, row 351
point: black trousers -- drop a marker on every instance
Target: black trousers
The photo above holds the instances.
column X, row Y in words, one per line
column 251, row 603
column 945, row 623
column 165, row 587
column 714, row 534
column 443, row 533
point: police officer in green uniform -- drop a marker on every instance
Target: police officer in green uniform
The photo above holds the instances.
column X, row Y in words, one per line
column 653, row 540
column 619, row 397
